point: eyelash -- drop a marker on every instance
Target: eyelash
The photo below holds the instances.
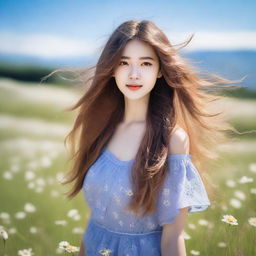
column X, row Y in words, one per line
column 143, row 63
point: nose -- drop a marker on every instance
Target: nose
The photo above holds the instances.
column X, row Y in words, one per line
column 134, row 74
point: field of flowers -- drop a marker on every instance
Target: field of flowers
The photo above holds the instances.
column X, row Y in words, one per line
column 37, row 219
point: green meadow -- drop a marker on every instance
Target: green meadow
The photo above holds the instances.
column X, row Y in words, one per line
column 36, row 214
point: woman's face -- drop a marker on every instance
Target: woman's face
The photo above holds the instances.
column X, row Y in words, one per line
column 139, row 65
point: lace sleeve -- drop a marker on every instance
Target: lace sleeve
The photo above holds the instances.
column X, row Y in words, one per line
column 183, row 187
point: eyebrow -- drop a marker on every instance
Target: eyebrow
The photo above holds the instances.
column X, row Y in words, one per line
column 141, row 58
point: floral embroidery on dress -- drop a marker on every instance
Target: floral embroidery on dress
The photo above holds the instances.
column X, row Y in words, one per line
column 107, row 190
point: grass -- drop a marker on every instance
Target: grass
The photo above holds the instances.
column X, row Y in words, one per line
column 25, row 150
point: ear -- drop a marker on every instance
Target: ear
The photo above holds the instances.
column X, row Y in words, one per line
column 159, row 74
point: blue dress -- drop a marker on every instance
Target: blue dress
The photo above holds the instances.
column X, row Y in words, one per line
column 107, row 190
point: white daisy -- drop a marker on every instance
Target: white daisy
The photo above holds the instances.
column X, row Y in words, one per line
column 235, row 203
column 4, row 216
column 186, row 236
column 29, row 175
column 25, row 252
column 230, row 183
column 20, row 215
column 28, row 207
column 61, row 222
column 195, row 252
column 252, row 167
column 7, row 175
column 240, row 194
column 12, row 230
column 253, row 191
column 229, row 219
column 33, row 230
column 78, row 230
column 203, row 222
column 63, row 244
column 192, row 226
column 3, row 234
column 222, row 244
column 245, row 179
column 252, row 221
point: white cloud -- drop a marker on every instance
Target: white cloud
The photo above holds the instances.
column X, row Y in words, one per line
column 204, row 40
column 52, row 46
column 44, row 46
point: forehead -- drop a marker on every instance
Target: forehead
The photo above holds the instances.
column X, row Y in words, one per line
column 136, row 48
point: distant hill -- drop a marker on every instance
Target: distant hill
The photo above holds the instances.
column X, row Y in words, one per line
column 229, row 64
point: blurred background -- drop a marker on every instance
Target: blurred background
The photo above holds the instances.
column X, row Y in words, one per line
column 37, row 37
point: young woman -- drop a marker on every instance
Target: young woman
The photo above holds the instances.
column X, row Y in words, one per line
column 140, row 142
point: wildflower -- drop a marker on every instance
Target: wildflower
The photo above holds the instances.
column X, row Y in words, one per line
column 20, row 215
column 63, row 244
column 245, row 179
column 54, row 193
column 186, row 236
column 3, row 234
column 229, row 219
column 222, row 244
column 7, row 175
column 25, row 252
column 194, row 252
column 4, row 216
column 68, row 247
column 29, row 175
column 253, row 191
column 252, row 167
column 40, row 182
column 15, row 168
column 78, row 230
column 252, row 221
column 235, row 203
column 33, row 230
column 192, row 226
column 71, row 248
column 29, row 207
column 45, row 161
column 31, row 185
column 240, row 194
column 203, row 222
column 73, row 213
column 105, row 252
column 38, row 190
column 12, row 230
column 230, row 183
column 61, row 222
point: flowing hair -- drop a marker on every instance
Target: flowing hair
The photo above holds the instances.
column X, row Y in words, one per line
column 182, row 96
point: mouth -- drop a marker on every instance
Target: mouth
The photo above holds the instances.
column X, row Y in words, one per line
column 134, row 87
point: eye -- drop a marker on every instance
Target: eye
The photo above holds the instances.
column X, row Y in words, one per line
column 122, row 62
column 148, row 63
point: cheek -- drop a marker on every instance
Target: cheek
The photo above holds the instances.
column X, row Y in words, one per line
column 151, row 76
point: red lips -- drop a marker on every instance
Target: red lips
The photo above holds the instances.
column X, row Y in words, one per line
column 134, row 87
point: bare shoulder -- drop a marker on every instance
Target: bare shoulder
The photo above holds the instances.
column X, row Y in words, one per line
column 179, row 141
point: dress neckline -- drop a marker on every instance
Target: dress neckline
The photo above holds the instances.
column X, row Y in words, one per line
column 114, row 159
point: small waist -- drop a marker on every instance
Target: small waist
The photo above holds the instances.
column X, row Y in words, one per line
column 95, row 223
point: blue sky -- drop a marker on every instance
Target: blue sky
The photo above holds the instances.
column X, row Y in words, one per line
column 83, row 25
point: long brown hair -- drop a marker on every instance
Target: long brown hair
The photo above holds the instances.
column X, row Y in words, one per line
column 180, row 97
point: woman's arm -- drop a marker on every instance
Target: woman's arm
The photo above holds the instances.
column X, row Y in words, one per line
column 172, row 240
column 82, row 245
column 82, row 249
